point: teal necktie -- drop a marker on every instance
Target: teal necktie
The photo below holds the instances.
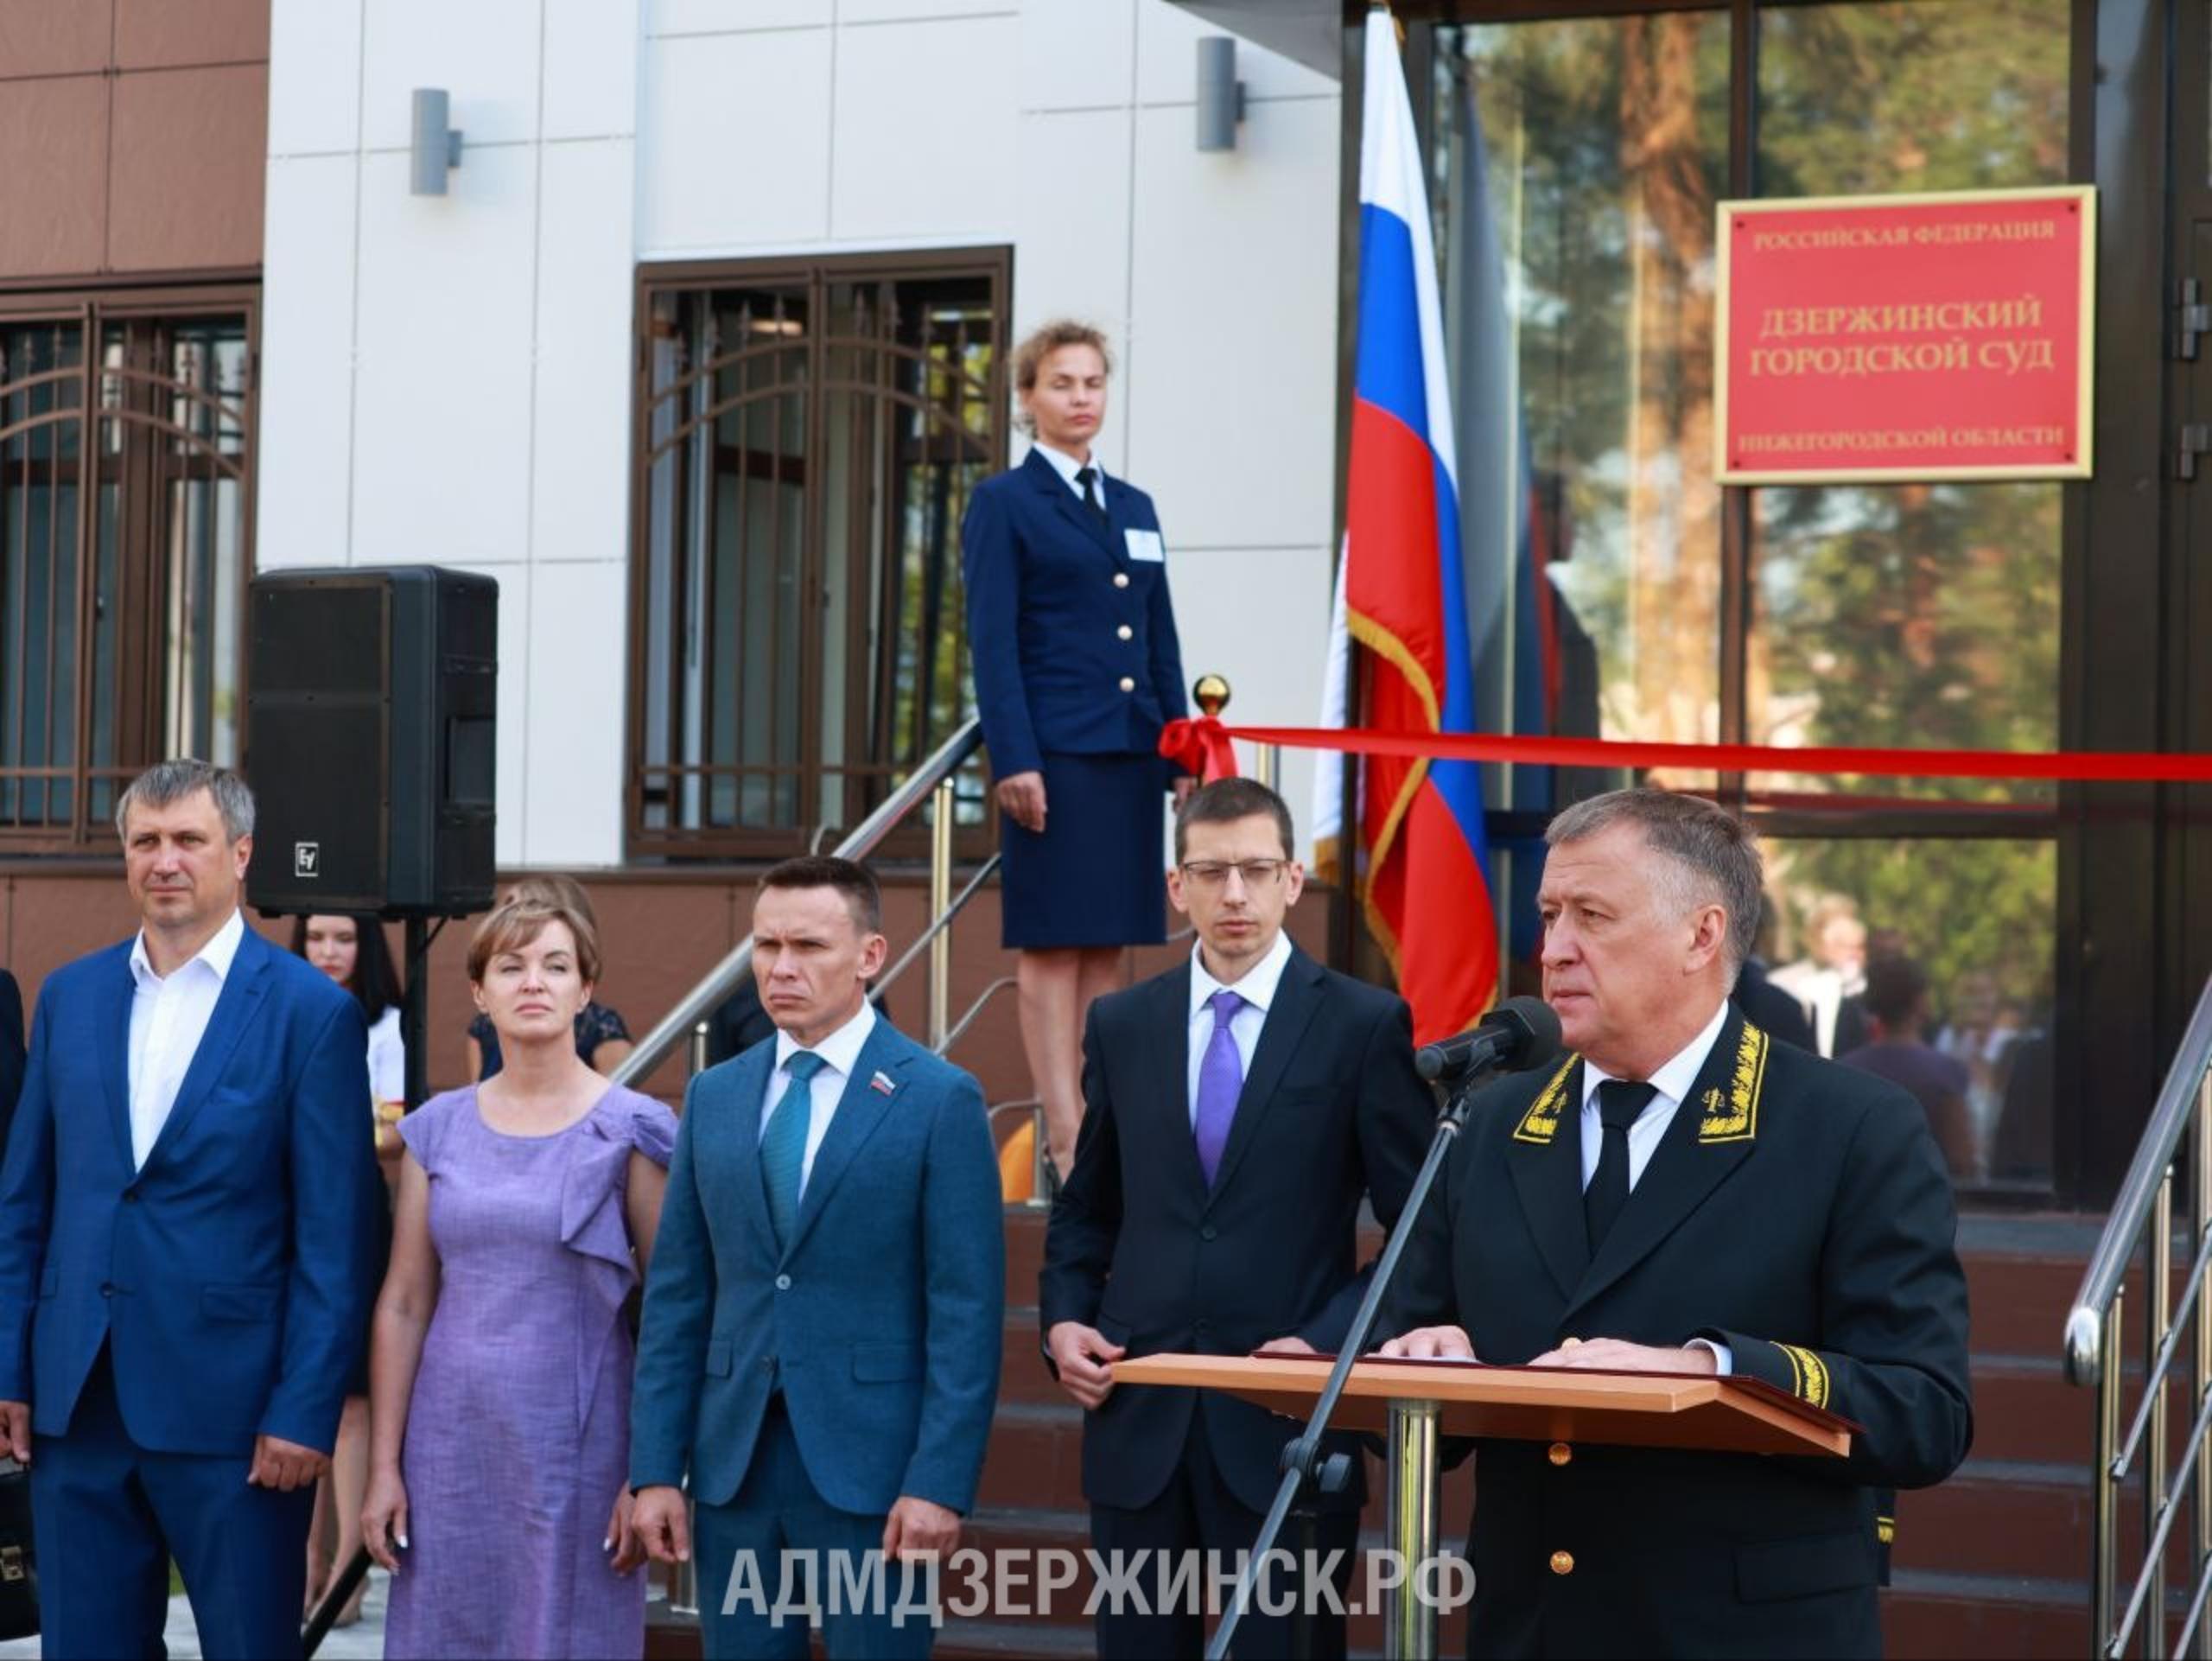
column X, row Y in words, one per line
column 782, row 1145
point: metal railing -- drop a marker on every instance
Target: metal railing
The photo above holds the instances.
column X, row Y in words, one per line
column 934, row 776
column 2142, row 1222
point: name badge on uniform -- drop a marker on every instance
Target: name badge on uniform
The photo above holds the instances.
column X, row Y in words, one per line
column 1147, row 545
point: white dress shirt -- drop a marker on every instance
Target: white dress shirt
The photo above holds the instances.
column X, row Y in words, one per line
column 1068, row 466
column 1670, row 1082
column 388, row 1058
column 841, row 1052
column 168, row 1017
column 1257, row 989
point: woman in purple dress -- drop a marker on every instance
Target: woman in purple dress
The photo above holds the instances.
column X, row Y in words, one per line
column 499, row 1370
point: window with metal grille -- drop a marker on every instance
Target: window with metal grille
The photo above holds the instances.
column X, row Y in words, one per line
column 805, row 438
column 126, row 475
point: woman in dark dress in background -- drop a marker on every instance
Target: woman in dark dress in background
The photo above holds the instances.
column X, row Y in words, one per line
column 1077, row 669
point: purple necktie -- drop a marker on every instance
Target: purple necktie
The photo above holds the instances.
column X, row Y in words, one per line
column 1221, row 1079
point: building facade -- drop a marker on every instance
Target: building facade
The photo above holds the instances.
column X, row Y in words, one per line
column 706, row 341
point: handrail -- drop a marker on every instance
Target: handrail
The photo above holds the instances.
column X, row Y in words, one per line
column 920, row 943
column 2107, row 1269
column 656, row 1046
column 2135, row 1612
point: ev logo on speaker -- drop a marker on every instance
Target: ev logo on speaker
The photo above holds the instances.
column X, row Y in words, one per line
column 306, row 858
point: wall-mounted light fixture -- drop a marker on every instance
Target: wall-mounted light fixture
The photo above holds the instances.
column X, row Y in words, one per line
column 1221, row 95
column 435, row 146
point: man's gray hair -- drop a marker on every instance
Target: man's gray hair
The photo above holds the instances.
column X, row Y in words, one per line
column 172, row 781
column 1710, row 856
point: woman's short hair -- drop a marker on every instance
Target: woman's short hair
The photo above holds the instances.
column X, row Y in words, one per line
column 552, row 889
column 1046, row 339
column 520, row 919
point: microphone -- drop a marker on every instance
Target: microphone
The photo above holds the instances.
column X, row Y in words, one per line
column 1520, row 1033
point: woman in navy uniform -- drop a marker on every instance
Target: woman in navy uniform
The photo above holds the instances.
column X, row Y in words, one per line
column 1077, row 668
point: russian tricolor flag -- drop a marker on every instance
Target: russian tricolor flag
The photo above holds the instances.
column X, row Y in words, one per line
column 1402, row 588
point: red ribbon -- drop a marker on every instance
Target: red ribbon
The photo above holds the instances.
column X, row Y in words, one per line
column 1200, row 747
column 1211, row 739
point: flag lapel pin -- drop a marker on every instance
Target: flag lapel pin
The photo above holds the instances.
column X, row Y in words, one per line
column 881, row 1084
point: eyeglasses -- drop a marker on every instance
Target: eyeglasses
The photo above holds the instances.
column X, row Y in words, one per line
column 1214, row 873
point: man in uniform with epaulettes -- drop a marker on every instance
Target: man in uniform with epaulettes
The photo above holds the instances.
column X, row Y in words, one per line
column 1683, row 1195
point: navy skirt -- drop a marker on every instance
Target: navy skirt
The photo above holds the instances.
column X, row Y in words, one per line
column 1098, row 875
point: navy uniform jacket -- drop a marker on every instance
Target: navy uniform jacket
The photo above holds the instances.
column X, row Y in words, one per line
column 1140, row 1249
column 1073, row 641
column 1798, row 1212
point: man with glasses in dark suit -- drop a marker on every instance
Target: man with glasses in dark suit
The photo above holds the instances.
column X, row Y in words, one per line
column 1236, row 1110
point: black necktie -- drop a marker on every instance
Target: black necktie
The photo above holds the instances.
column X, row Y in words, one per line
column 1088, row 478
column 1619, row 1105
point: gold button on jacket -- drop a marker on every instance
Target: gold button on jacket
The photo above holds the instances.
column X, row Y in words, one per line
column 1562, row 1563
column 1560, row 1453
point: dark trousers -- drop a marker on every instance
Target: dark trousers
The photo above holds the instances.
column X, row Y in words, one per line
column 777, row 1508
column 109, row 1515
column 1196, row 1512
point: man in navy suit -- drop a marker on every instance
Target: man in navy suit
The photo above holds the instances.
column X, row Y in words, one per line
column 187, row 1214
column 1240, row 1107
column 822, row 1319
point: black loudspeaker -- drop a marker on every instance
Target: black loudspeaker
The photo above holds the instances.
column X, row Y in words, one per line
column 370, row 720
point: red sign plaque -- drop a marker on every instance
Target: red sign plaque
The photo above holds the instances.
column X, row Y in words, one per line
column 1906, row 337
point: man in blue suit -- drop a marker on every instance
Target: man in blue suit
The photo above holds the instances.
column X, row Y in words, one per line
column 186, row 1213
column 822, row 1317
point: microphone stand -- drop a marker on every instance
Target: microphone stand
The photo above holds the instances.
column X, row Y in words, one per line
column 1303, row 1465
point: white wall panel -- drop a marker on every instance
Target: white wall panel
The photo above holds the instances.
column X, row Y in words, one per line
column 485, row 54
column 710, row 16
column 1071, row 253
column 580, row 466
column 1259, row 616
column 882, row 11
column 925, row 130
column 1233, row 363
column 1077, row 53
column 307, row 363
column 572, row 796
column 1167, row 61
column 442, row 421
column 591, row 68
column 734, row 131
column 315, row 76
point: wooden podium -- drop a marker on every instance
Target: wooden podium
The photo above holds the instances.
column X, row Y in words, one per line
column 1413, row 1402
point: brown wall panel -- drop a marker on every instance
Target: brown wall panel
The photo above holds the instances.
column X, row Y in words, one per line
column 53, row 177
column 173, row 34
column 189, row 164
column 658, row 937
column 56, row 37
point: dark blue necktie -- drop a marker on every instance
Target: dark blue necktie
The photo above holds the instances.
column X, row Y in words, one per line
column 782, row 1145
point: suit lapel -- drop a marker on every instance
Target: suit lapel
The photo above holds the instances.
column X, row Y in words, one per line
column 1709, row 1139
column 1546, row 1167
column 1071, row 507
column 749, row 1086
column 115, row 1056
column 243, row 991
column 860, row 1110
column 1297, row 995
column 1166, row 1070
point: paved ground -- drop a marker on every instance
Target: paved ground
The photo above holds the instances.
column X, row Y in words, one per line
column 363, row 1641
